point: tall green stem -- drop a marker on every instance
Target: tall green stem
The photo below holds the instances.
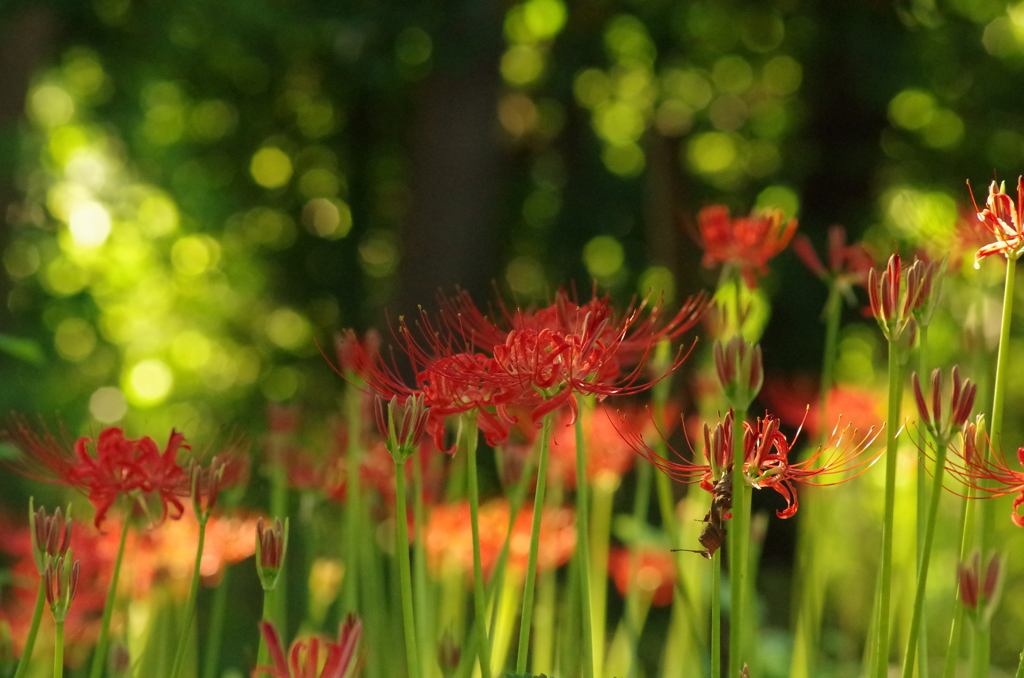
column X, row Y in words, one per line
column 419, row 565
column 404, row 574
column 190, row 606
column 33, row 629
column 531, row 564
column 583, row 549
column 218, row 613
column 809, row 573
column 353, row 501
column 99, row 658
column 923, row 548
column 926, row 552
column 885, row 577
column 58, row 651
column 956, row 629
column 716, row 614
column 641, row 500
column 268, row 615
column 479, row 599
column 739, row 541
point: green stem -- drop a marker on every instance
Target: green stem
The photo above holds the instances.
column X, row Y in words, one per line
column 885, row 577
column 980, row 650
column 809, row 572
column 218, row 613
column 926, row 552
column 190, row 606
column 99, row 658
column 531, row 565
column 739, row 541
column 33, row 629
column 516, row 498
column 583, row 549
column 58, row 651
column 419, row 564
column 923, row 507
column 479, row 598
column 268, row 615
column 404, row 574
column 956, row 629
column 641, row 500
column 603, row 489
column 716, row 615
column 353, row 501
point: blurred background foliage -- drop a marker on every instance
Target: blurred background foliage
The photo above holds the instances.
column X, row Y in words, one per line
column 195, row 192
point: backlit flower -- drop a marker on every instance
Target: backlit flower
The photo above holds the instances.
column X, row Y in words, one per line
column 116, row 467
column 744, row 242
column 304, row 656
column 895, row 294
column 1003, row 220
column 848, row 265
column 767, row 464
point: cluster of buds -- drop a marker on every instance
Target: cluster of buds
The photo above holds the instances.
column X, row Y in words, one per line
column 932, row 275
column 942, row 429
column 740, row 371
column 896, row 293
column 51, row 534
column 402, row 424
column 271, row 546
column 978, row 595
column 61, row 582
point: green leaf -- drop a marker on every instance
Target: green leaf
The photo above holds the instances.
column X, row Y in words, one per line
column 25, row 350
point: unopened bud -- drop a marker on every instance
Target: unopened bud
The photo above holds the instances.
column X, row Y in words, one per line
column 271, row 546
column 401, row 424
column 740, row 371
column 961, row 403
column 61, row 584
column 51, row 534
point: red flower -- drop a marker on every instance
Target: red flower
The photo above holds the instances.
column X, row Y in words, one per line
column 303, row 660
column 654, row 573
column 745, row 242
column 449, row 542
column 848, row 265
column 1003, row 220
column 766, row 459
column 990, row 473
column 119, row 467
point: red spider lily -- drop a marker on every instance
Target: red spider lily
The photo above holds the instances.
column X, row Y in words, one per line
column 634, row 331
column 990, row 473
column 119, row 467
column 654, row 573
column 1003, row 220
column 303, row 660
column 766, row 452
column 449, row 542
column 745, row 242
column 848, row 265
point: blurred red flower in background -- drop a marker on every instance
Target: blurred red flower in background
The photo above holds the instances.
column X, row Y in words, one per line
column 654, row 573
column 745, row 242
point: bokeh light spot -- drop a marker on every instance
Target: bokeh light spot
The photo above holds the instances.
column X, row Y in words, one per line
column 603, row 256
column 413, row 46
column 732, row 74
column 779, row 197
column 158, row 215
column 319, row 183
column 327, row 218
column 522, row 64
column 21, row 259
column 50, row 106
column 74, row 339
column 89, row 223
column 657, row 284
column 271, row 167
column 782, row 75
column 525, row 276
column 544, row 18
column 191, row 349
column 591, row 87
column 193, row 255
column 627, row 160
column 379, row 253
column 288, row 329
column 149, row 382
column 107, row 405
column 281, row 383
column 912, row 109
column 712, row 152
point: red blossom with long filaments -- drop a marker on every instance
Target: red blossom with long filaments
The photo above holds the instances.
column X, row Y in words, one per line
column 304, row 657
column 767, row 464
column 745, row 242
column 116, row 466
column 987, row 473
column 1003, row 220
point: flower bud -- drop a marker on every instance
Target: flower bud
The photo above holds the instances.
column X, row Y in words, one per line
column 51, row 535
column 61, row 584
column 402, row 425
column 960, row 405
column 740, row 371
column 980, row 595
column 271, row 546
column 895, row 294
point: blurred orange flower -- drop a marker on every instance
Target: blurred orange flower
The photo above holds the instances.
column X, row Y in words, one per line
column 449, row 540
column 654, row 574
